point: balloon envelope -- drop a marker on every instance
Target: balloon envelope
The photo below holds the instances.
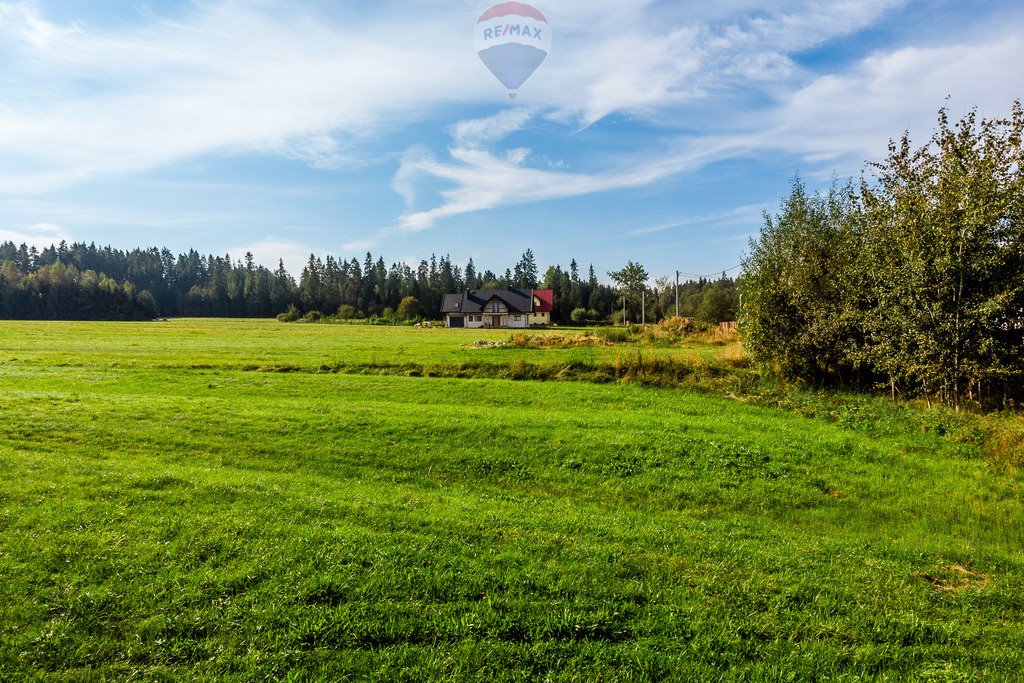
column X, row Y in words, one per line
column 512, row 39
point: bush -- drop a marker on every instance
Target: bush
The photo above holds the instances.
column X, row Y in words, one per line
column 289, row 316
column 408, row 308
column 346, row 312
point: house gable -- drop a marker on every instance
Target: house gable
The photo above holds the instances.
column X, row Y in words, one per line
column 543, row 300
column 489, row 308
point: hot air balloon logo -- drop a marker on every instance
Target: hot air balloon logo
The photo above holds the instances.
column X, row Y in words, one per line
column 512, row 39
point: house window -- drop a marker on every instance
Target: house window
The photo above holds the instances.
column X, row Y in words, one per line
column 494, row 307
column 516, row 318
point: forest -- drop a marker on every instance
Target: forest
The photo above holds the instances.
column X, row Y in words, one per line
column 85, row 282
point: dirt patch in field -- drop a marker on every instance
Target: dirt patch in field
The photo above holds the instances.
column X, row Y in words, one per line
column 953, row 578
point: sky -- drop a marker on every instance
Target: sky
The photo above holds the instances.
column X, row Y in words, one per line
column 655, row 131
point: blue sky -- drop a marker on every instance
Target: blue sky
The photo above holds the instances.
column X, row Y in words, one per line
column 655, row 131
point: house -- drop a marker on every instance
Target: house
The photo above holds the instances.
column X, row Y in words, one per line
column 543, row 305
column 515, row 308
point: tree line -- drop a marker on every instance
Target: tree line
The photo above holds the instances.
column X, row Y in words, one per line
column 84, row 282
column 912, row 279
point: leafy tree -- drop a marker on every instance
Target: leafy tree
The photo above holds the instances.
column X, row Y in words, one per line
column 917, row 281
column 798, row 287
column 632, row 282
column 944, row 259
column 719, row 303
column 408, row 308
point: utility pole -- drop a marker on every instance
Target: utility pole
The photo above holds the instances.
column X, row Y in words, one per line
column 677, row 293
column 643, row 306
column 623, row 309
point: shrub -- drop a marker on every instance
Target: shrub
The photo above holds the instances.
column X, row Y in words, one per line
column 289, row 316
column 408, row 308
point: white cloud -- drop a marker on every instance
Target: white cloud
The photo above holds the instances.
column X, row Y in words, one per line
column 835, row 122
column 233, row 77
column 484, row 181
column 267, row 252
column 631, row 71
column 229, row 78
column 23, row 24
column 38, row 235
column 802, row 25
column 475, row 132
column 517, row 156
column 839, row 121
column 358, row 245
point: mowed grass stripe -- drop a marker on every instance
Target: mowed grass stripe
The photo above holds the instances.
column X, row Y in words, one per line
column 602, row 437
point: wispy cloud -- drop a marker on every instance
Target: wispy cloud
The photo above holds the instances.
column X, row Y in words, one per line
column 228, row 78
column 485, row 181
column 708, row 82
column 739, row 214
column 358, row 245
column 834, row 121
column 490, row 129
column 837, row 121
column 38, row 235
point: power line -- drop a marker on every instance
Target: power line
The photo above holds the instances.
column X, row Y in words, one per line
column 717, row 272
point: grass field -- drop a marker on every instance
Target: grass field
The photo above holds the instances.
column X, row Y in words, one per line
column 271, row 346
column 171, row 510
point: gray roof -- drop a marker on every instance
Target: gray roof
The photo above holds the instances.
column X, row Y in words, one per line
column 452, row 303
column 474, row 300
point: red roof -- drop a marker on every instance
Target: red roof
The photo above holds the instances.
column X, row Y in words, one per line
column 547, row 300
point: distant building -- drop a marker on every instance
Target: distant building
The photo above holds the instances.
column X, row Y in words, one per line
column 543, row 305
column 512, row 308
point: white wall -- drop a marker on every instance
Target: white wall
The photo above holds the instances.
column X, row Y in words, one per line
column 507, row 320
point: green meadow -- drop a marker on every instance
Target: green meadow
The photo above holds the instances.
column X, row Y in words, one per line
column 252, row 500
